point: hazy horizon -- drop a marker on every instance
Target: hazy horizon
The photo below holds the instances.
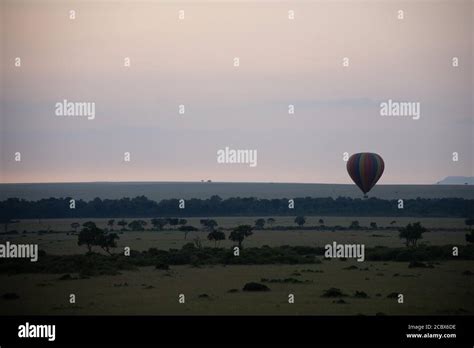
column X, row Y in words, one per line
column 204, row 181
column 202, row 190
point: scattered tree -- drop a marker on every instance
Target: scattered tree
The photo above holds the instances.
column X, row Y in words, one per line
column 470, row 237
column 354, row 225
column 187, row 229
column 373, row 225
column 260, row 223
column 110, row 223
column 411, row 233
column 137, row 225
column 300, row 220
column 216, row 236
column 158, row 223
column 209, row 224
column 107, row 241
column 239, row 233
column 270, row 221
column 7, row 221
column 91, row 235
column 321, row 221
column 469, row 222
column 122, row 223
column 173, row 221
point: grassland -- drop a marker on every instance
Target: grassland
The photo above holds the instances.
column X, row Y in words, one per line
column 65, row 244
column 432, row 291
column 447, row 288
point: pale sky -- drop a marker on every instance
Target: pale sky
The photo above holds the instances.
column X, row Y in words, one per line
column 190, row 62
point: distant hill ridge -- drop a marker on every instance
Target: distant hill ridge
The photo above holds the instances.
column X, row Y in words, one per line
column 457, row 180
column 158, row 191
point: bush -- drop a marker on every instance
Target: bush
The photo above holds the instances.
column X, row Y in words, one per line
column 65, row 277
column 162, row 266
column 333, row 292
column 10, row 296
column 93, row 264
column 418, row 264
column 340, row 301
column 285, row 281
column 360, row 294
column 252, row 286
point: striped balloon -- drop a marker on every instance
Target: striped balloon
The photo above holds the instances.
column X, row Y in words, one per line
column 365, row 169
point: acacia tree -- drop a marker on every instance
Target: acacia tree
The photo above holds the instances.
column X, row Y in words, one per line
column 260, row 223
column 158, row 223
column 122, row 223
column 412, row 233
column 107, row 241
column 91, row 235
column 137, row 225
column 187, row 229
column 470, row 236
column 469, row 222
column 216, row 236
column 270, row 221
column 173, row 221
column 239, row 233
column 354, row 225
column 7, row 221
column 110, row 223
column 300, row 220
column 209, row 224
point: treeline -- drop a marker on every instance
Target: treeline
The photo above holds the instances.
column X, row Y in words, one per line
column 14, row 208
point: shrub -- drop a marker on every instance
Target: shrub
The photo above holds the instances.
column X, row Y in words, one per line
column 285, row 281
column 340, row 301
column 418, row 264
column 10, row 296
column 65, row 277
column 333, row 292
column 360, row 294
column 350, row 268
column 252, row 286
column 162, row 266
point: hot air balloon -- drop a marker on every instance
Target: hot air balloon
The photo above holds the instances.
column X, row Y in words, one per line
column 365, row 169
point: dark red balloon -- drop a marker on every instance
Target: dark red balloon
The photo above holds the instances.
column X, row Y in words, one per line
column 365, row 169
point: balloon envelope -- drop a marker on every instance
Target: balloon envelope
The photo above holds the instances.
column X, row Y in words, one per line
column 365, row 169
